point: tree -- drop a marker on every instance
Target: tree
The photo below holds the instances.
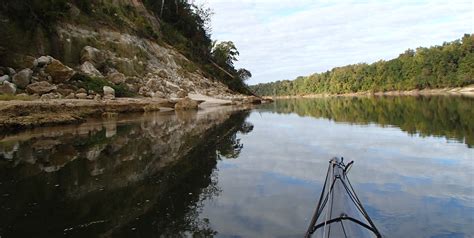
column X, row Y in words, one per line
column 244, row 74
column 225, row 53
column 448, row 65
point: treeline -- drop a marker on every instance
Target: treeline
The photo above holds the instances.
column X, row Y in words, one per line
column 427, row 116
column 182, row 24
column 448, row 65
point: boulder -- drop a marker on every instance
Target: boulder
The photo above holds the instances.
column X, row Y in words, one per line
column 23, row 78
column 7, row 88
column 81, row 95
column 43, row 76
column 89, row 69
column 5, row 78
column 59, row 72
column 146, row 92
column 49, row 96
column 186, row 104
column 92, row 55
column 116, row 78
column 159, row 94
column 43, row 61
column 154, row 84
column 65, row 91
column 163, row 74
column 181, row 94
column 70, row 96
column 252, row 100
column 28, row 62
column 40, row 88
column 11, row 71
column 109, row 93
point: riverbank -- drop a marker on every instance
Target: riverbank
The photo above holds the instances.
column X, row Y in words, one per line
column 467, row 91
column 21, row 114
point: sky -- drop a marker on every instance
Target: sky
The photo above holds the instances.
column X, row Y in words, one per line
column 284, row 39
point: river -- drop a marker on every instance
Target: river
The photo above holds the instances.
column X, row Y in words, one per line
column 255, row 172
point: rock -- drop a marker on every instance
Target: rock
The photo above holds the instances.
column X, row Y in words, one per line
column 7, row 88
column 49, row 96
column 5, row 78
column 65, row 91
column 59, row 72
column 252, row 100
column 159, row 94
column 163, row 74
column 92, row 55
column 89, row 69
column 132, row 80
column 181, row 94
column 11, row 72
column 116, row 78
column 70, row 96
column 146, row 92
column 133, row 87
column 97, row 97
column 186, row 104
column 81, row 90
column 43, row 61
column 40, row 88
column 28, row 62
column 109, row 93
column 23, row 78
column 153, row 84
column 81, row 95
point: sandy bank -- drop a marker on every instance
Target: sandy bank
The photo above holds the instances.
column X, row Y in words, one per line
column 467, row 91
column 16, row 114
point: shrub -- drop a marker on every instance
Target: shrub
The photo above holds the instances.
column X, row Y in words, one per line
column 97, row 84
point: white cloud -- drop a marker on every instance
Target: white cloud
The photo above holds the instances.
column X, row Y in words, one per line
column 287, row 38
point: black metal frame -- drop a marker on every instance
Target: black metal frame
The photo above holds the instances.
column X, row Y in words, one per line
column 350, row 191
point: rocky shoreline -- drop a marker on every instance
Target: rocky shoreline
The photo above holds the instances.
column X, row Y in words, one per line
column 48, row 92
column 18, row 115
column 467, row 91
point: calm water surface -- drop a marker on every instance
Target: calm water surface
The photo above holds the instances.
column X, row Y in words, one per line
column 243, row 173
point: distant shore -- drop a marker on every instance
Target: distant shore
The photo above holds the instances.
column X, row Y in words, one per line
column 459, row 91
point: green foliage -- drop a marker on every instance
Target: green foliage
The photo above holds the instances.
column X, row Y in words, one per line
column 97, row 84
column 31, row 13
column 225, row 53
column 448, row 65
column 186, row 27
column 183, row 25
column 244, row 74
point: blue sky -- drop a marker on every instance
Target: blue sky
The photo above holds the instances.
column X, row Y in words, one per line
column 283, row 39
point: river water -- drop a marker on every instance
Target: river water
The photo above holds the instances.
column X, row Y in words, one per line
column 243, row 173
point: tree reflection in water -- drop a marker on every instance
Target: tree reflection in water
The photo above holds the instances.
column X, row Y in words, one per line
column 450, row 117
column 131, row 177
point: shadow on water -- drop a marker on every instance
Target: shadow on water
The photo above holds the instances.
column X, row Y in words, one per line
column 450, row 117
column 128, row 177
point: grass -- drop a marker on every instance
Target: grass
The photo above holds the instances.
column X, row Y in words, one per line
column 10, row 97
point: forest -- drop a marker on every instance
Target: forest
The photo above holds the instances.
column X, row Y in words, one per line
column 448, row 65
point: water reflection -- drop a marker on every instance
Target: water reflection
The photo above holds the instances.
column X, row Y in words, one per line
column 133, row 176
column 230, row 173
column 450, row 117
